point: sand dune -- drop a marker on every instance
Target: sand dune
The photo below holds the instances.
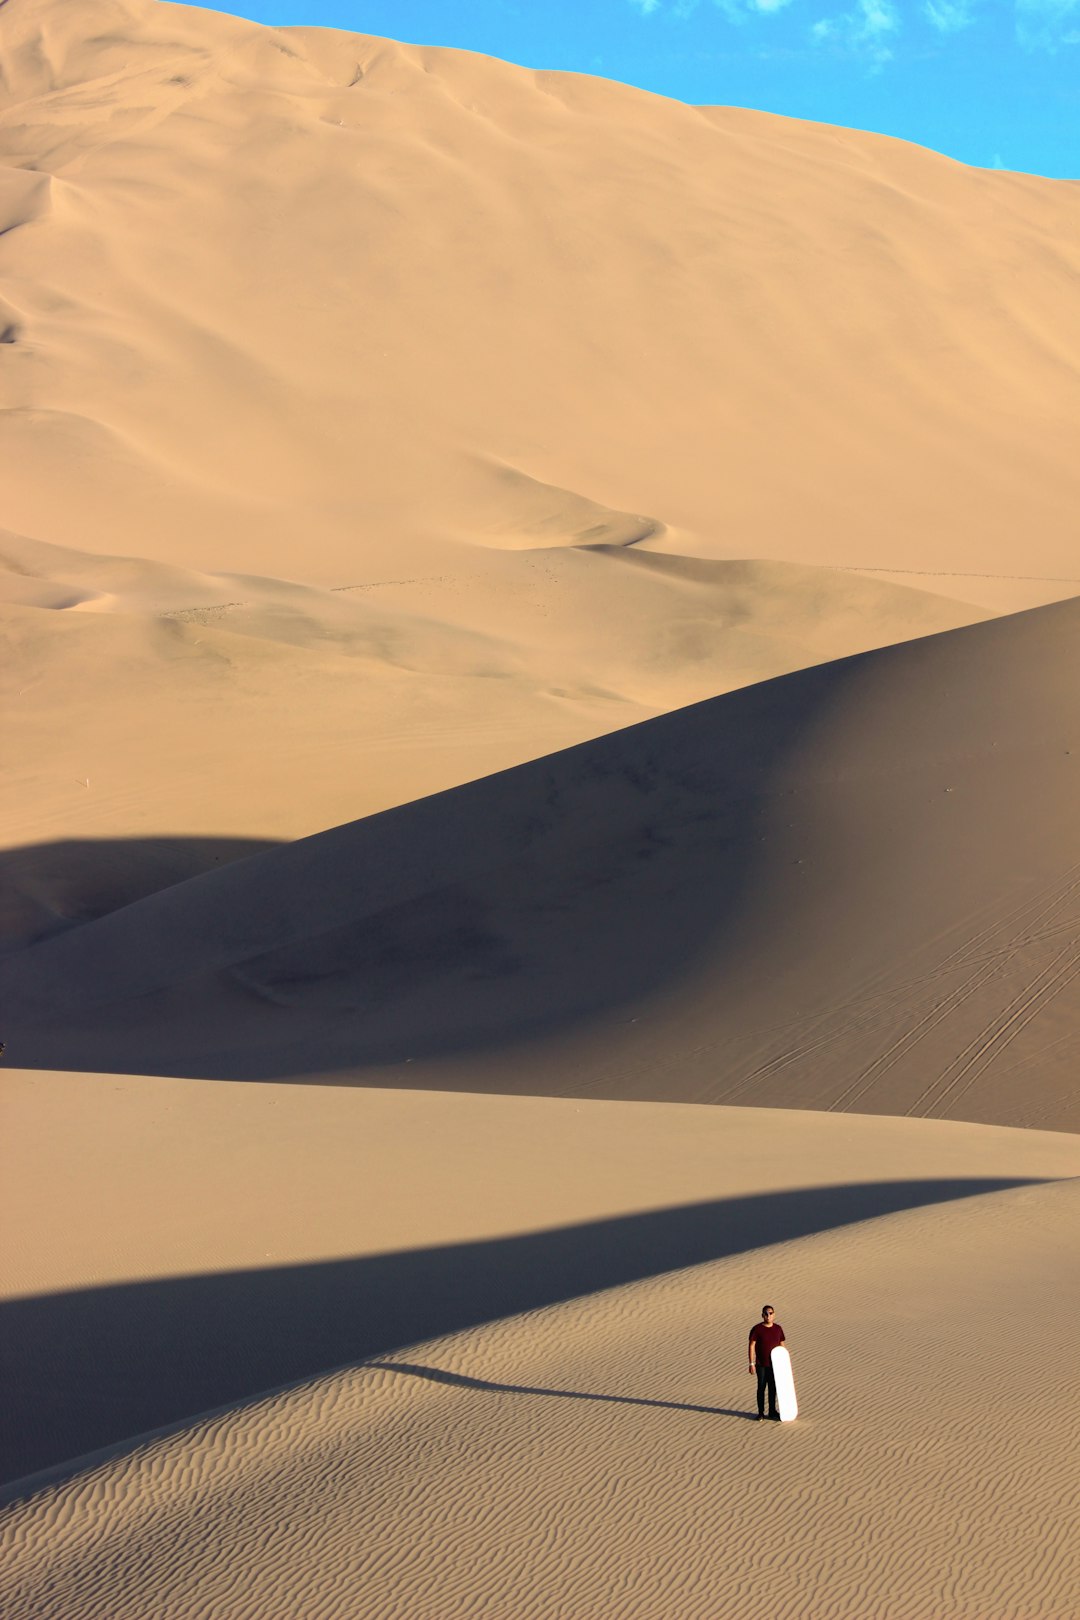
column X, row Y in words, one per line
column 849, row 888
column 455, row 516
column 513, row 585
column 269, row 284
column 590, row 1456
column 231, row 1238
column 265, row 710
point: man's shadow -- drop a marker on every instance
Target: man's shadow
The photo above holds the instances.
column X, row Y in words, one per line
column 439, row 1375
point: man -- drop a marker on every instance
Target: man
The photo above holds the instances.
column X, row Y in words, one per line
column 764, row 1338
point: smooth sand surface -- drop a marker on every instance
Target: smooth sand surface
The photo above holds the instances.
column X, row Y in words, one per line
column 529, row 609
column 276, row 287
column 592, row 1455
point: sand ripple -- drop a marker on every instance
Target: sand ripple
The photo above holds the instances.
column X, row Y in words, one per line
column 596, row 1458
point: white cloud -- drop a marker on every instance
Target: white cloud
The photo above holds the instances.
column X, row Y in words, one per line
column 1046, row 24
column 736, row 11
column 950, row 16
column 865, row 30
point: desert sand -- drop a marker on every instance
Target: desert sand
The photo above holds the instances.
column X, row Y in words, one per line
column 346, row 377
column 590, row 1452
column 853, row 887
column 542, row 730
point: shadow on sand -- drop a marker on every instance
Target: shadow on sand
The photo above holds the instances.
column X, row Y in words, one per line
column 512, row 907
column 93, row 1367
column 48, row 888
column 439, row 1375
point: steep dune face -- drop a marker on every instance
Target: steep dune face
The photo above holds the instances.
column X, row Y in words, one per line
column 851, row 887
column 266, row 285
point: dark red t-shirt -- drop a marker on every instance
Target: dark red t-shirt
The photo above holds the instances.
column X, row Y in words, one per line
column 765, row 1339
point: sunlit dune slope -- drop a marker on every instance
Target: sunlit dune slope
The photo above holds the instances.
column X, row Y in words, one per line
column 305, row 303
column 592, row 1456
column 853, row 887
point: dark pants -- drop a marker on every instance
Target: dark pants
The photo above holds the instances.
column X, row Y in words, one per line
column 765, row 1381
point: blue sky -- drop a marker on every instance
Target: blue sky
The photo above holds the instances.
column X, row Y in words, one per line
column 992, row 82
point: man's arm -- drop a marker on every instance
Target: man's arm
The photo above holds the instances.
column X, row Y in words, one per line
column 752, row 1348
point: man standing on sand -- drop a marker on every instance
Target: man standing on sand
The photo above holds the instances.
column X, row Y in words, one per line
column 764, row 1338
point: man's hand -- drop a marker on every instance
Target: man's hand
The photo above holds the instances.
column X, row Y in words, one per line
column 753, row 1369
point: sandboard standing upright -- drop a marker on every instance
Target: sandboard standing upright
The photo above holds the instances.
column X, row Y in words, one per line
column 786, row 1404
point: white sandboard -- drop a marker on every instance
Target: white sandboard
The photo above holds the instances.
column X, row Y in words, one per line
column 786, row 1404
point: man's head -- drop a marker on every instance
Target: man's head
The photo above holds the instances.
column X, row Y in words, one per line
column 767, row 1313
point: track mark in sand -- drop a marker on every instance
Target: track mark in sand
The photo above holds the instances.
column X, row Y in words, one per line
column 1048, row 898
column 201, row 615
column 911, row 1037
column 1060, row 1045
column 421, row 579
column 1000, row 1033
column 1022, row 928
column 867, row 1008
column 791, row 1056
column 1020, row 924
column 958, row 573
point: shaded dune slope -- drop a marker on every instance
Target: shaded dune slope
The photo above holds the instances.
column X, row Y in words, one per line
column 263, row 709
column 853, row 887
